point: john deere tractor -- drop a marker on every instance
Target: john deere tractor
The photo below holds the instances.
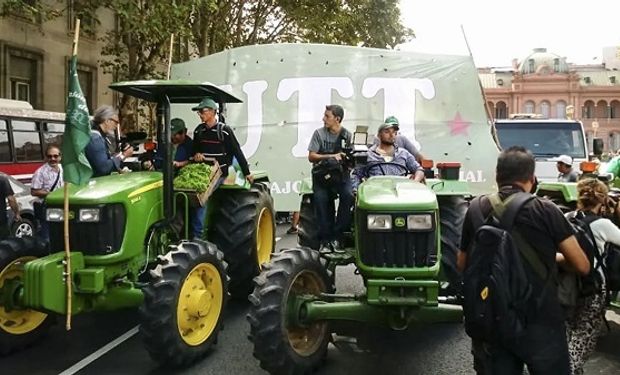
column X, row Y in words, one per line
column 127, row 249
column 402, row 229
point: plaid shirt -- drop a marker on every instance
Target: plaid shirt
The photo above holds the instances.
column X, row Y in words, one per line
column 401, row 157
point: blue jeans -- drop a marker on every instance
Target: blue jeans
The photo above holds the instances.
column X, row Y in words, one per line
column 197, row 216
column 331, row 228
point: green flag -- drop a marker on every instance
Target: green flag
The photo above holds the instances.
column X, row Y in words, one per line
column 76, row 168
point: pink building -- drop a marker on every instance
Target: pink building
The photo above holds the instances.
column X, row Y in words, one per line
column 546, row 84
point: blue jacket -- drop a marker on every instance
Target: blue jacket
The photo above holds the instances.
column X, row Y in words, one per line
column 99, row 157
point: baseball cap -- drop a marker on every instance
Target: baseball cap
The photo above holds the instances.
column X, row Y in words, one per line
column 177, row 125
column 390, row 122
column 565, row 159
column 205, row 103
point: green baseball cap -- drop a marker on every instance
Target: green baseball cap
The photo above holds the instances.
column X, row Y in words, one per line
column 177, row 125
column 205, row 103
column 390, row 122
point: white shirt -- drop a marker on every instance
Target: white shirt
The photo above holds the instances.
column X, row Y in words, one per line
column 604, row 231
column 44, row 177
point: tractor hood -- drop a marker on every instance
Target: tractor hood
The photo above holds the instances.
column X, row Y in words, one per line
column 395, row 194
column 114, row 188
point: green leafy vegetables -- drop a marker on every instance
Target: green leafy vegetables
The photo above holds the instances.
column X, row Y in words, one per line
column 194, row 177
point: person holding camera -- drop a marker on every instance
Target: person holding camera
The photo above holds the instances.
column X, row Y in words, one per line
column 331, row 178
column 387, row 159
column 101, row 159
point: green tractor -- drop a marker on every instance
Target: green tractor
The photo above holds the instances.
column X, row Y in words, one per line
column 128, row 250
column 402, row 230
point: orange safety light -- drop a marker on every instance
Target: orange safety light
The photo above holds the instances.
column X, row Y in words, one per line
column 427, row 163
column 150, row 145
column 588, row 166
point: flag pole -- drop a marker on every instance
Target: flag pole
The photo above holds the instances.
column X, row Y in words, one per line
column 170, row 56
column 68, row 276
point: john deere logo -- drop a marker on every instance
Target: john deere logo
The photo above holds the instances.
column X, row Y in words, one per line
column 399, row 222
column 71, row 215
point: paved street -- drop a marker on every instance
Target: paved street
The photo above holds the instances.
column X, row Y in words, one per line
column 438, row 349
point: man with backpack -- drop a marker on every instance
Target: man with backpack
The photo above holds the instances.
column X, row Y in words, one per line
column 508, row 254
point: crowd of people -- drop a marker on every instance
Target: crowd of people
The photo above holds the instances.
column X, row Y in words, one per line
column 551, row 343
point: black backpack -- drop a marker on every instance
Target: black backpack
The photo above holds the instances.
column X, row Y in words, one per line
column 591, row 283
column 612, row 267
column 498, row 296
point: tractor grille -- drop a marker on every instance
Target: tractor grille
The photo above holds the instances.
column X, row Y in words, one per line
column 398, row 248
column 102, row 238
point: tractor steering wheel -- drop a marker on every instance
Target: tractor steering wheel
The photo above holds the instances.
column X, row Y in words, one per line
column 403, row 169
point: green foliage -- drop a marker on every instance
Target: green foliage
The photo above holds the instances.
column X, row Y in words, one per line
column 194, row 177
column 33, row 11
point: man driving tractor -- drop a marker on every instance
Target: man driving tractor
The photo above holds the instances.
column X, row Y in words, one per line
column 386, row 158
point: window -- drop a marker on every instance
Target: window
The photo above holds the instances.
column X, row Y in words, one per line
column 5, row 148
column 544, row 109
column 22, row 75
column 27, row 141
column 528, row 107
column 614, row 141
column 501, row 111
column 531, row 66
column 560, row 109
column 588, row 109
column 556, row 65
column 52, row 133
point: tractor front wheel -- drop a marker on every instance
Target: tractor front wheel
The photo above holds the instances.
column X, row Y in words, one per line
column 281, row 345
column 19, row 327
column 243, row 227
column 183, row 304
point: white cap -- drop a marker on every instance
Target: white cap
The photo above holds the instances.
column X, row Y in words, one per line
column 564, row 159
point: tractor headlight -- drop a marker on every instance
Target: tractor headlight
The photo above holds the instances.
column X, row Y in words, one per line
column 420, row 222
column 89, row 215
column 379, row 222
column 54, row 214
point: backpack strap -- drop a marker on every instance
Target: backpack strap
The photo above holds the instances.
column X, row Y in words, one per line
column 506, row 213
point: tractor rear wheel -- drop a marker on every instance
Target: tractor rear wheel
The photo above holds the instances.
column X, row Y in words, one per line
column 308, row 232
column 282, row 346
column 19, row 327
column 182, row 311
column 243, row 227
column 452, row 210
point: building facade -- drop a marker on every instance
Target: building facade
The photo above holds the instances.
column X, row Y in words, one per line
column 544, row 83
column 34, row 59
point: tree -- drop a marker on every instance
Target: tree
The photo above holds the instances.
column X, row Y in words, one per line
column 228, row 24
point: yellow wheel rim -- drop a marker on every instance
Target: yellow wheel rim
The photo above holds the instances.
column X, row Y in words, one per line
column 306, row 340
column 200, row 304
column 18, row 322
column 264, row 236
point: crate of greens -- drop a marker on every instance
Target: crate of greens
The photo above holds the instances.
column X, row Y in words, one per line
column 198, row 181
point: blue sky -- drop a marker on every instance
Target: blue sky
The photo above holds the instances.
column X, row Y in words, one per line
column 501, row 30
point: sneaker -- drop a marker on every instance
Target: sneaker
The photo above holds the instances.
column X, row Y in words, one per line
column 326, row 248
column 291, row 230
column 337, row 247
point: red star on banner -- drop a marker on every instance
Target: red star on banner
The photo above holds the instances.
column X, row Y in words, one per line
column 458, row 126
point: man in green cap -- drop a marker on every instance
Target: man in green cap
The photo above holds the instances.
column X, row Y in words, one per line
column 215, row 139
column 182, row 142
column 401, row 141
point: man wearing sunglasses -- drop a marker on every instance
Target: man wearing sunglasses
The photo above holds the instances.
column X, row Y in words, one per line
column 45, row 180
column 105, row 121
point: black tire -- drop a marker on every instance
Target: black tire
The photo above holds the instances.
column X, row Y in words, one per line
column 189, row 278
column 291, row 272
column 22, row 228
column 452, row 210
column 19, row 328
column 308, row 231
column 243, row 227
